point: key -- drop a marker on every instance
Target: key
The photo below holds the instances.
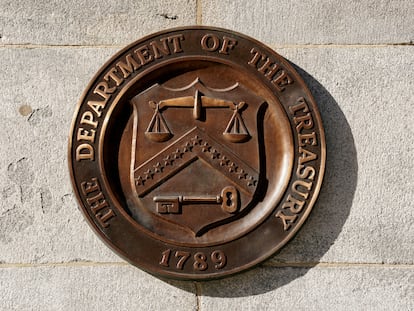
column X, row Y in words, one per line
column 228, row 199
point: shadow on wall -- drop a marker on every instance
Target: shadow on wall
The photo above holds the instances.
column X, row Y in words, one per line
column 324, row 223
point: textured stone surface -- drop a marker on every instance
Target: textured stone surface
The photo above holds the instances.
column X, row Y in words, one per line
column 39, row 219
column 93, row 22
column 364, row 212
column 103, row 287
column 328, row 288
column 315, row 22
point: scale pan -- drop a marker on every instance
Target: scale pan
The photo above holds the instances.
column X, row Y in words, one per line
column 158, row 136
column 236, row 137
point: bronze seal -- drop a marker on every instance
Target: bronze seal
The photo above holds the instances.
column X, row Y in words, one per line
column 196, row 152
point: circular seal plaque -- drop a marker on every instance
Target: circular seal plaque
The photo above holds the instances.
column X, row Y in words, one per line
column 196, row 152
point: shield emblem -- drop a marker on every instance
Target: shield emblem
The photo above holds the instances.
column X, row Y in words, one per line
column 194, row 154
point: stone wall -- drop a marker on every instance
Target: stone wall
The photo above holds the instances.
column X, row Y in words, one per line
column 355, row 252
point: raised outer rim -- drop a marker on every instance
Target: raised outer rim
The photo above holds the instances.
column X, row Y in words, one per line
column 186, row 276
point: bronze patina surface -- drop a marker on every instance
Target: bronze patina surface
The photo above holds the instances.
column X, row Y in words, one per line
column 196, row 152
